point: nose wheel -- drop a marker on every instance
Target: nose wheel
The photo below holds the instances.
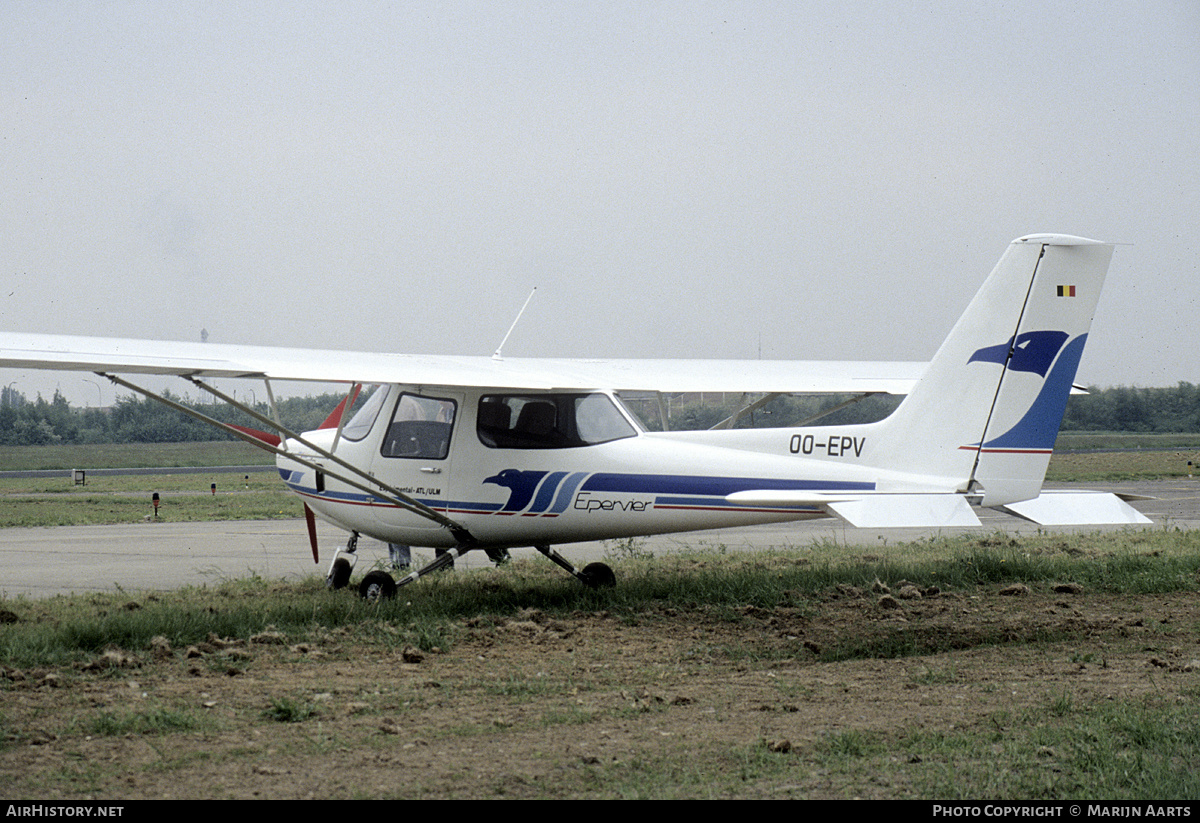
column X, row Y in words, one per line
column 597, row 576
column 338, row 576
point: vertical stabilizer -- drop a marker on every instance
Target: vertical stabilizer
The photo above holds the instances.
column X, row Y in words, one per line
column 987, row 411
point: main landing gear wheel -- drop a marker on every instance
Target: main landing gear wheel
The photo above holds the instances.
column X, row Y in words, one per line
column 598, row 576
column 339, row 574
column 377, row 586
column 593, row 575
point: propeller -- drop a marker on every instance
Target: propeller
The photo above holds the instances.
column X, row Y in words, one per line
column 331, row 422
column 311, row 520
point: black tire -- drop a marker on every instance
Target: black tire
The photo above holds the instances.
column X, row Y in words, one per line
column 339, row 575
column 498, row 556
column 377, row 586
column 598, row 576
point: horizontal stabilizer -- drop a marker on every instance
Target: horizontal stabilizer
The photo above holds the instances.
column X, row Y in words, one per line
column 1076, row 508
column 887, row 511
column 872, row 510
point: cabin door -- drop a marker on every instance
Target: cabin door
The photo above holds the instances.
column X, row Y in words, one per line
column 415, row 455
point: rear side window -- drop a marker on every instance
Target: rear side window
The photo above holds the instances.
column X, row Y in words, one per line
column 549, row 421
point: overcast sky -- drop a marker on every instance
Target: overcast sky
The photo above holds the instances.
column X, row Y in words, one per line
column 678, row 179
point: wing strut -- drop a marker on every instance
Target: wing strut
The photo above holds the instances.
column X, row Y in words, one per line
column 826, row 412
column 375, row 489
column 274, row 408
column 731, row 421
column 342, row 413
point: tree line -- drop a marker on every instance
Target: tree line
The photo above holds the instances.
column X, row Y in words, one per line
column 136, row 419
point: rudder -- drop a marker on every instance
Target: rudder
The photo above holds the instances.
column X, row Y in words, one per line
column 1037, row 377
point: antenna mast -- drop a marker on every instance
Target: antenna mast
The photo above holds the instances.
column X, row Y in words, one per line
column 496, row 355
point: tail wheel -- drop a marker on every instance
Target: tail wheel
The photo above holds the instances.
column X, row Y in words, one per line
column 598, row 576
column 339, row 575
column 376, row 586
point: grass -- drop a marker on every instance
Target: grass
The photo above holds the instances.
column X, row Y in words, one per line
column 111, row 500
column 154, row 721
column 1118, row 456
column 1076, row 467
column 69, row 629
column 141, row 485
column 97, row 510
column 39, row 502
column 1057, row 746
column 1085, row 441
column 1133, row 748
column 289, row 710
column 132, row 455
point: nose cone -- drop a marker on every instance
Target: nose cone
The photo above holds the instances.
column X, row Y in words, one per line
column 291, row 470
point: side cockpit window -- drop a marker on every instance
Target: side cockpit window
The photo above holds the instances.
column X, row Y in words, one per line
column 549, row 421
column 420, row 427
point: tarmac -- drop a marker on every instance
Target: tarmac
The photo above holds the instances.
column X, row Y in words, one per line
column 157, row 556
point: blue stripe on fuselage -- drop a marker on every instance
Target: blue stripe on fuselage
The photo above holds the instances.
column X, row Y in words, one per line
column 683, row 489
column 710, row 486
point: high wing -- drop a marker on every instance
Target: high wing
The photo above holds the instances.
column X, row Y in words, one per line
column 127, row 356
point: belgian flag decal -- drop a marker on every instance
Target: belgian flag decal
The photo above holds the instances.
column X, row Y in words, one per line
column 1066, row 291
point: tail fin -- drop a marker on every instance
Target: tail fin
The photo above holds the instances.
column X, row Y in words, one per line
column 986, row 413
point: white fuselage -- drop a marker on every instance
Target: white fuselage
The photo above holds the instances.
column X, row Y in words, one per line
column 509, row 489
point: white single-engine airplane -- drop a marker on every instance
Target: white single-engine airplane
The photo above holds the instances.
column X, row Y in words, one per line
column 463, row 453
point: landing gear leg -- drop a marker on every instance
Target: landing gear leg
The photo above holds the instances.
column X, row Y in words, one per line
column 593, row 575
column 379, row 587
column 338, row 576
column 400, row 556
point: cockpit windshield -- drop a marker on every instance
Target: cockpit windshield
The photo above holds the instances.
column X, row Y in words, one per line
column 360, row 424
